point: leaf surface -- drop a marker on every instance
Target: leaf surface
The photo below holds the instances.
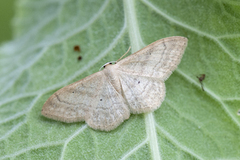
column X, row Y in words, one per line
column 190, row 124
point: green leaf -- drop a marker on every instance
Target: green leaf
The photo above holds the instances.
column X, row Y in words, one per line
column 190, row 124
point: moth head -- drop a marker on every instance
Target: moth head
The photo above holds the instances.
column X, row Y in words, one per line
column 108, row 63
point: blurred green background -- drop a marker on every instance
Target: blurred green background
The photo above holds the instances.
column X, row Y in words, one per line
column 6, row 15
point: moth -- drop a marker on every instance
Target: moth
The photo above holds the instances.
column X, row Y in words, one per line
column 133, row 85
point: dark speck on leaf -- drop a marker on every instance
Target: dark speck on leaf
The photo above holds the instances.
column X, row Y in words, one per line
column 201, row 78
column 79, row 58
column 77, row 48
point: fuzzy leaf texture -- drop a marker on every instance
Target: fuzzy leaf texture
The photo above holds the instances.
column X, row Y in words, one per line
column 190, row 124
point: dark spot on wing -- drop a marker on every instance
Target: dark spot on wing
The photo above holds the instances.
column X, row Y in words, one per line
column 138, row 82
column 100, row 99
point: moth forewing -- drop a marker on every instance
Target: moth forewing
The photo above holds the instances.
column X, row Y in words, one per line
column 156, row 60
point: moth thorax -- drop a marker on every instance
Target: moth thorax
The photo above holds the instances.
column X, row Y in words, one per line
column 110, row 72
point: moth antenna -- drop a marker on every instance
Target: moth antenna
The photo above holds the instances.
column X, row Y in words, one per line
column 124, row 54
